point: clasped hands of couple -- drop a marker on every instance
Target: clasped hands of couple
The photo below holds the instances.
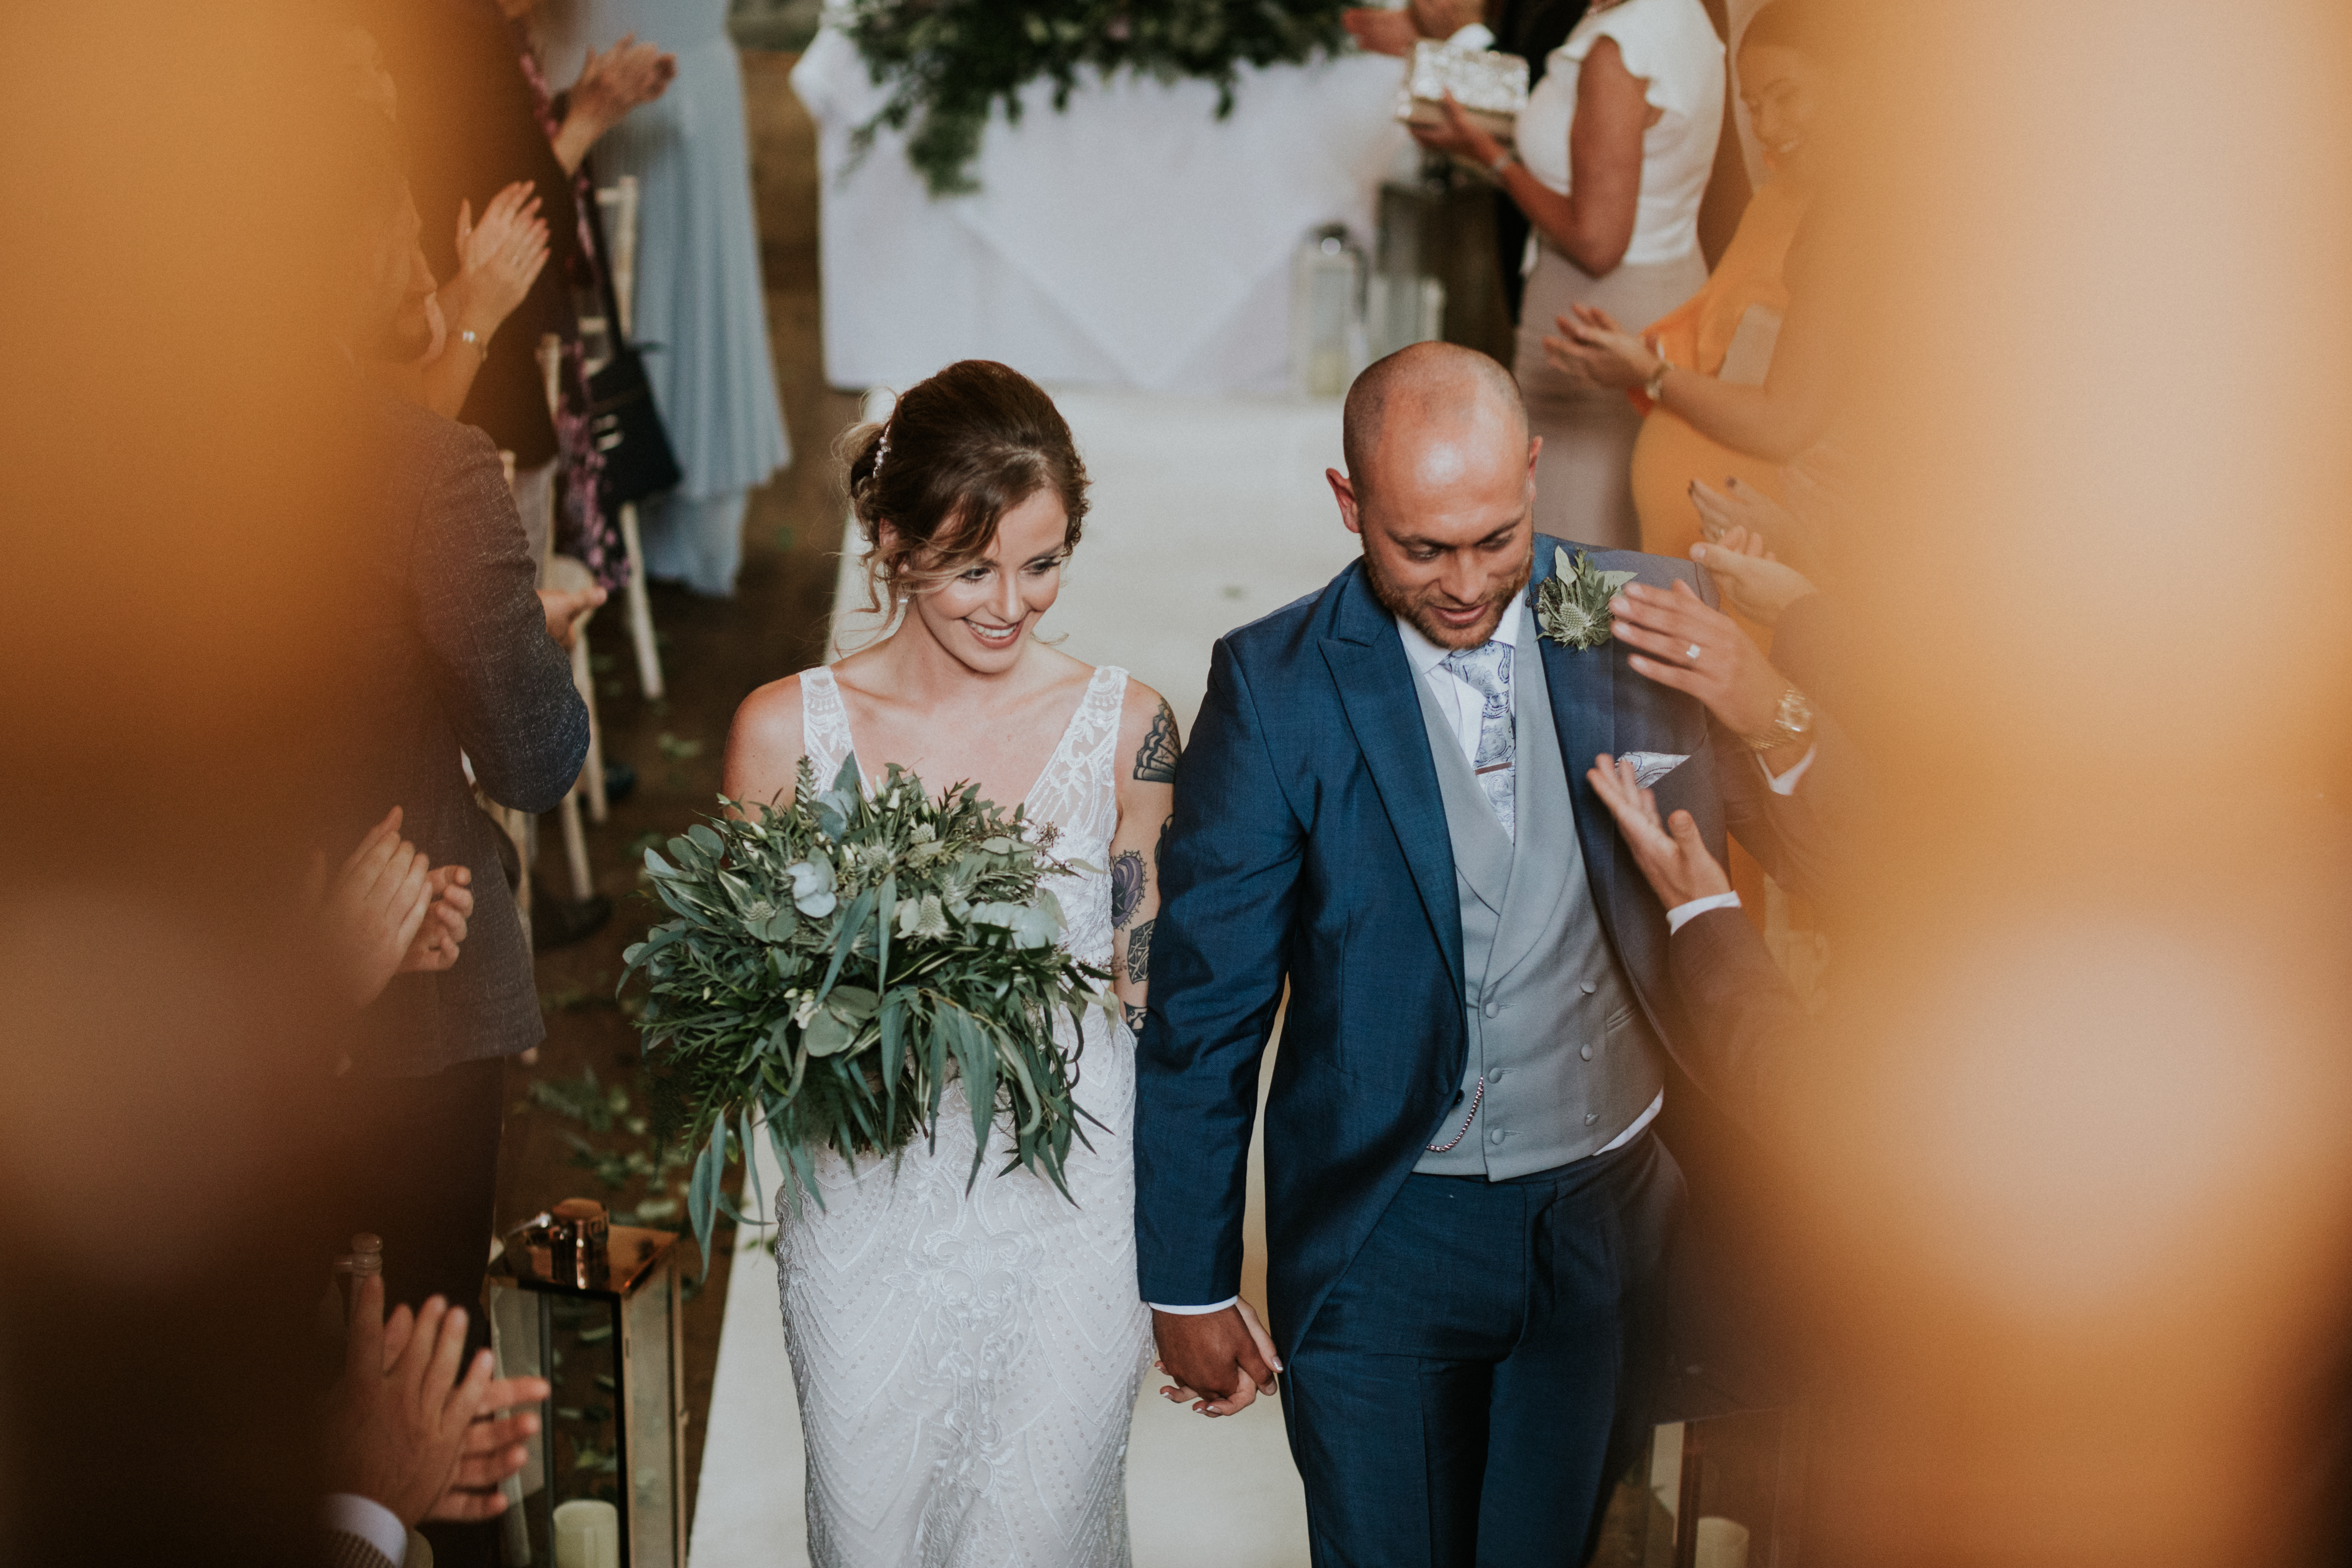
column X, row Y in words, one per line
column 1221, row 1360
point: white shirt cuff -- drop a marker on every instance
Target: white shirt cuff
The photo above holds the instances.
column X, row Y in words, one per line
column 1682, row 915
column 351, row 1514
column 1477, row 35
column 1194, row 1312
column 1787, row 783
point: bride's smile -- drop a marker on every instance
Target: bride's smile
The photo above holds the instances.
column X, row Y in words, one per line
column 982, row 615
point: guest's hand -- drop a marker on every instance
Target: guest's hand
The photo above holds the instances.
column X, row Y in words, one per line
column 1695, row 648
column 1460, row 136
column 439, row 940
column 1379, row 31
column 611, row 85
column 401, row 1413
column 1753, row 579
column 374, row 908
column 498, row 260
column 1674, row 859
column 1592, row 346
column 1221, row 1361
column 565, row 609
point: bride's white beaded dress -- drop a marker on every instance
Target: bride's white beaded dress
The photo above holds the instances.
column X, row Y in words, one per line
column 968, row 1360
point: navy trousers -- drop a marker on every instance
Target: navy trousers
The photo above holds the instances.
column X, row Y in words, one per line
column 1479, row 1378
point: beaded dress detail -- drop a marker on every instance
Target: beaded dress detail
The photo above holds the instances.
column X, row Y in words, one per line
column 968, row 1361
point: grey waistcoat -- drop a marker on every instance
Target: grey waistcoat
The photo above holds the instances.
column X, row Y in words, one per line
column 1568, row 1058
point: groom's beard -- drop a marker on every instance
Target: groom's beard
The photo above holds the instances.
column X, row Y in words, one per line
column 1414, row 604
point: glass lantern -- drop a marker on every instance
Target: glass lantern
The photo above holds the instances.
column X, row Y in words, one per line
column 1724, row 1492
column 1328, row 338
column 592, row 1308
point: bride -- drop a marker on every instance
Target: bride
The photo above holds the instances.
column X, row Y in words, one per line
column 967, row 1361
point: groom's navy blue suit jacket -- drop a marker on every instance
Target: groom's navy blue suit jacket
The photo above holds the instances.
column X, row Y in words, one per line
column 1309, row 844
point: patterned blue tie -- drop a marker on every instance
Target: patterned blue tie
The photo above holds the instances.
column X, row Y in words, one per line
column 1486, row 669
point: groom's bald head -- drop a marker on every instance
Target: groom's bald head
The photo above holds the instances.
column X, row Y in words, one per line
column 1425, row 395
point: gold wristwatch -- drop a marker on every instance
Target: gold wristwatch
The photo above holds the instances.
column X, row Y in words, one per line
column 1792, row 720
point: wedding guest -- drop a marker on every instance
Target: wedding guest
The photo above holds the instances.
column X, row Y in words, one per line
column 1725, row 335
column 456, row 663
column 699, row 288
column 1530, row 29
column 1614, row 151
column 478, row 117
column 410, row 1436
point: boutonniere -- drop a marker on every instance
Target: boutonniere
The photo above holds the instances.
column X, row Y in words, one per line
column 1572, row 603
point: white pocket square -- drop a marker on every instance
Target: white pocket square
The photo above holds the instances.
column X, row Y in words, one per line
column 1649, row 767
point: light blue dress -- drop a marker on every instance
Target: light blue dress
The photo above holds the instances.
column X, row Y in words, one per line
column 700, row 308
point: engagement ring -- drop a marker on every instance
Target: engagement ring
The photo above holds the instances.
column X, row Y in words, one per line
column 1692, row 652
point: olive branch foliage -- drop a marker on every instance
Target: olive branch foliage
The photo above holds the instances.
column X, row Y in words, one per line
column 948, row 62
column 835, row 962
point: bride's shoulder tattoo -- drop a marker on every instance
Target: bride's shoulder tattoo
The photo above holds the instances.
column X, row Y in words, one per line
column 1155, row 759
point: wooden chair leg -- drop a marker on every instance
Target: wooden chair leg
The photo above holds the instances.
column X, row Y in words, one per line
column 583, row 677
column 575, row 847
column 641, row 608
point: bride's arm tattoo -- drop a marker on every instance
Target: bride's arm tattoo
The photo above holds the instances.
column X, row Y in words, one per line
column 1138, row 952
column 1135, row 1016
column 1155, row 759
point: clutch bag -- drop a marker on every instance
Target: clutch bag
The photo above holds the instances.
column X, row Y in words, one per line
column 1491, row 86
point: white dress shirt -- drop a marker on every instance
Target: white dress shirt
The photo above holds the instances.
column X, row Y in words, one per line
column 348, row 1513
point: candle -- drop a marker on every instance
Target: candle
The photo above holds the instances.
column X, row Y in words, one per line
column 588, row 1534
column 1722, row 1543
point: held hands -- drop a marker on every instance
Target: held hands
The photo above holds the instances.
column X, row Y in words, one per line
column 1753, row 578
column 1674, row 859
column 1221, row 1361
column 407, row 1431
column 1686, row 645
column 1592, row 346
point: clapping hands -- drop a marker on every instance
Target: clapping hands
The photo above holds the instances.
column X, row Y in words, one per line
column 1593, row 348
column 1674, row 859
column 407, row 1431
column 388, row 911
column 498, row 258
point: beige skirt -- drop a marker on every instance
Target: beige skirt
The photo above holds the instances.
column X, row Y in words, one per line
column 1584, row 487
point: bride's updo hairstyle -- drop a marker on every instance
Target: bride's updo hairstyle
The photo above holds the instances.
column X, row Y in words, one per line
column 960, row 450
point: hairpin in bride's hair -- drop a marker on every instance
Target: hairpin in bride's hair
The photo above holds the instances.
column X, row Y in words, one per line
column 881, row 451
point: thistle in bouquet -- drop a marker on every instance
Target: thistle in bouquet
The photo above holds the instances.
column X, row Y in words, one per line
column 834, row 962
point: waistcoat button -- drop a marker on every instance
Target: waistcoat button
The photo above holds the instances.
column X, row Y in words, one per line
column 1494, row 1009
column 1496, row 1135
column 1586, row 1053
column 1587, row 986
column 1590, row 1117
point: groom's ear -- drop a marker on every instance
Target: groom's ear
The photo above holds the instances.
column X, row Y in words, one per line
column 1345, row 492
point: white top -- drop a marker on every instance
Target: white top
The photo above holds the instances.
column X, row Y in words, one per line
column 1672, row 46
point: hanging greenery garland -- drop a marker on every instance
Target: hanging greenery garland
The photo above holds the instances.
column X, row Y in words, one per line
column 950, row 61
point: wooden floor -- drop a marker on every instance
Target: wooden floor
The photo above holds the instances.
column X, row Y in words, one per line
column 558, row 1144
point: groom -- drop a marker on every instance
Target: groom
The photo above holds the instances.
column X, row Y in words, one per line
column 1384, row 804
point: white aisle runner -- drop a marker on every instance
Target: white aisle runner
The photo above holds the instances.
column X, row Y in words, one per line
column 1207, row 513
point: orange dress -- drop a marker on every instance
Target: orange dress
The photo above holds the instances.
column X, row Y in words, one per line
column 1668, row 454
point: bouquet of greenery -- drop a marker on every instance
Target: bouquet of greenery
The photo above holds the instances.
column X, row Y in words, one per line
column 831, row 964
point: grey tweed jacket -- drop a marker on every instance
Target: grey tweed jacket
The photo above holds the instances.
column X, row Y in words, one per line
column 453, row 658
